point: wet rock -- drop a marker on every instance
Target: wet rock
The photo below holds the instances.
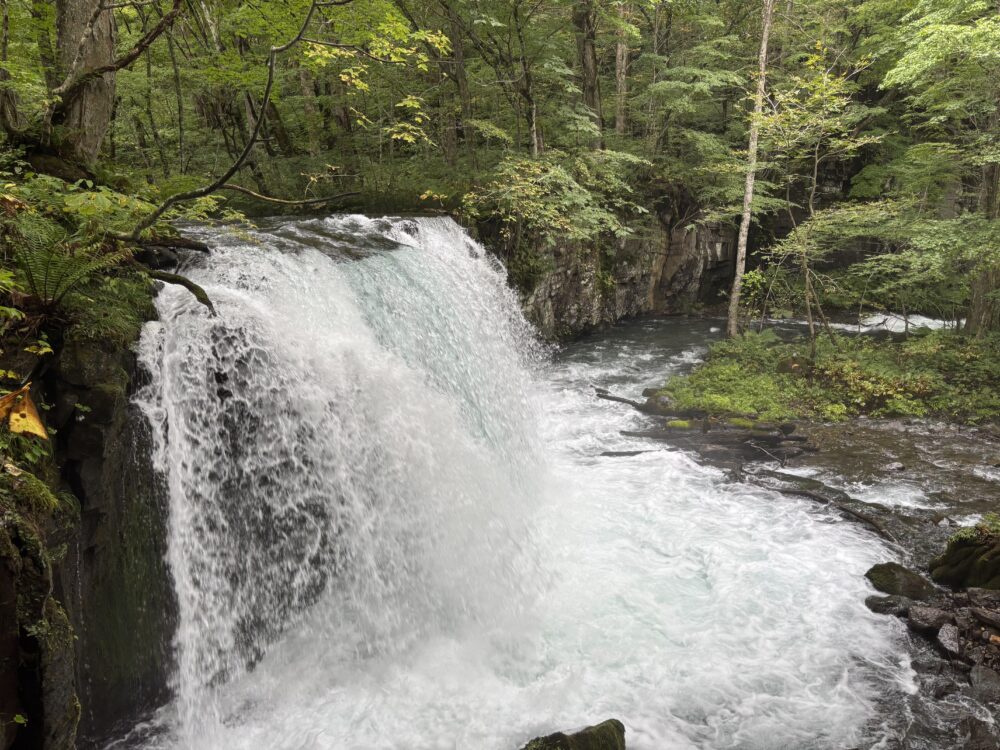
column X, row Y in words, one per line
column 658, row 405
column 942, row 687
column 608, row 735
column 978, row 734
column 986, row 616
column 985, row 684
column 928, row 619
column 893, row 578
column 894, row 466
column 984, row 598
column 893, row 604
column 947, row 640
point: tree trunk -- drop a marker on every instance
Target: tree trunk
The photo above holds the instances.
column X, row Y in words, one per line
column 10, row 120
column 984, row 307
column 85, row 121
column 461, row 82
column 984, row 310
column 313, row 118
column 585, row 20
column 621, row 72
column 732, row 326
column 527, row 90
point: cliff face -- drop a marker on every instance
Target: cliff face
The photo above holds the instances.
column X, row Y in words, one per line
column 114, row 581
column 586, row 286
column 87, row 609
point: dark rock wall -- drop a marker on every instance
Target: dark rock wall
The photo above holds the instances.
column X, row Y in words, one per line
column 589, row 285
column 114, row 581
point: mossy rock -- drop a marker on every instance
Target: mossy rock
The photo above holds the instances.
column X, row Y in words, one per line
column 608, row 735
column 968, row 563
column 972, row 557
column 893, row 578
column 681, row 424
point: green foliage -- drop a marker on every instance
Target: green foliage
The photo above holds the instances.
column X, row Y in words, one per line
column 559, row 196
column 760, row 376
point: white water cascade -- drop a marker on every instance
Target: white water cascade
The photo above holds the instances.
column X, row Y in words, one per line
column 392, row 527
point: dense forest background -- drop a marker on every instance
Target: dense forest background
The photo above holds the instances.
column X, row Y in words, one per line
column 877, row 172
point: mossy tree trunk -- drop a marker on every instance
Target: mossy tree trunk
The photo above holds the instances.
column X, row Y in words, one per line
column 85, row 41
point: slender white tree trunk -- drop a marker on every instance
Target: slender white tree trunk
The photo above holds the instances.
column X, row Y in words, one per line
column 621, row 73
column 732, row 327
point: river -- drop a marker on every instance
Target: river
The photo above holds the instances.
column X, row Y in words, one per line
column 392, row 525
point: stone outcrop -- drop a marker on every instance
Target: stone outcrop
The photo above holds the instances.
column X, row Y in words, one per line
column 608, row 735
column 587, row 285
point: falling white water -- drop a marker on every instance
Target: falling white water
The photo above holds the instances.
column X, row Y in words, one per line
column 391, row 525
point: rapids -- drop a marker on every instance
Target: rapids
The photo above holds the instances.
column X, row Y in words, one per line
column 392, row 526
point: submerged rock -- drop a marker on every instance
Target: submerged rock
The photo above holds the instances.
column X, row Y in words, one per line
column 978, row 734
column 608, row 735
column 893, row 578
column 985, row 684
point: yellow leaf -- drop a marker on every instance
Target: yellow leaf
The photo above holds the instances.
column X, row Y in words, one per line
column 21, row 414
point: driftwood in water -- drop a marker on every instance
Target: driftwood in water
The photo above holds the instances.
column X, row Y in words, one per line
column 813, row 489
column 603, row 394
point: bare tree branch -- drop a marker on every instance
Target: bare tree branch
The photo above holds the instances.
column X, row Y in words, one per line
column 282, row 201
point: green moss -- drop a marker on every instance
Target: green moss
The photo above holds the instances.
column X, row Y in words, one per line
column 983, row 532
column 741, row 423
column 939, row 374
column 679, row 424
column 972, row 557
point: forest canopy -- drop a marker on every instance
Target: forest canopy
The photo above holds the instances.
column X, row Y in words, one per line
column 877, row 169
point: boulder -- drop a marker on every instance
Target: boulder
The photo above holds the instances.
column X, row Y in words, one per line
column 947, row 640
column 893, row 578
column 985, row 684
column 971, row 559
column 928, row 619
column 608, row 735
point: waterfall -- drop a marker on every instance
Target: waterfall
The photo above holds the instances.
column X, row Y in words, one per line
column 391, row 526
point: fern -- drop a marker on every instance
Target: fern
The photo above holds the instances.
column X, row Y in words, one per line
column 51, row 266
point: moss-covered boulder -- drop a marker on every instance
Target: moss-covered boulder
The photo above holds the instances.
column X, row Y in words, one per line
column 892, row 578
column 972, row 558
column 608, row 735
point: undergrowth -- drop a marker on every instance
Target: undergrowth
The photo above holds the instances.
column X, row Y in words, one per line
column 929, row 374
